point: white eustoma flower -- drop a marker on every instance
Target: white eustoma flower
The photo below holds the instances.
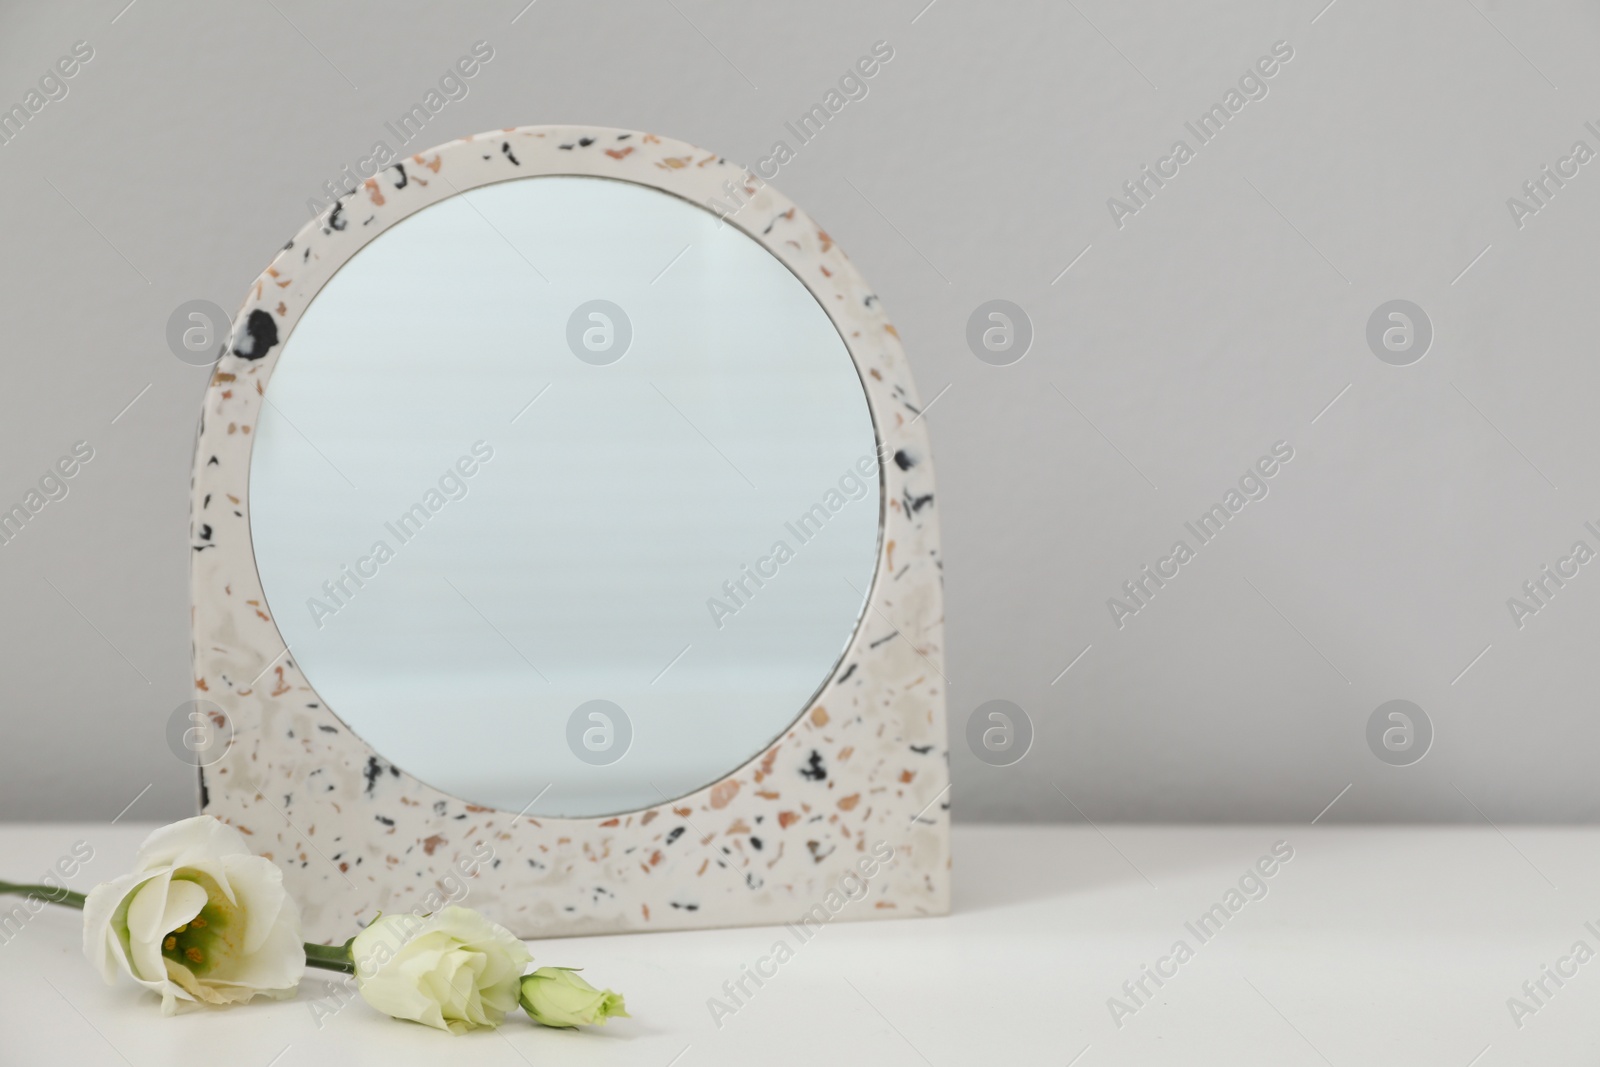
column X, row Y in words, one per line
column 453, row 970
column 199, row 919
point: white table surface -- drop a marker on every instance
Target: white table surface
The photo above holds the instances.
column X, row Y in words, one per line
column 1371, row 946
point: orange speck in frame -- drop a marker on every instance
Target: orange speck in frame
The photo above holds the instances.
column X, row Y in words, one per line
column 787, row 819
column 431, row 843
column 723, row 793
column 612, row 822
column 848, row 803
column 373, row 192
column 906, row 776
column 890, row 330
column 819, row 714
column 614, row 154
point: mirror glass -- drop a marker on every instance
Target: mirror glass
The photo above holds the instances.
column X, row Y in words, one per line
column 565, row 496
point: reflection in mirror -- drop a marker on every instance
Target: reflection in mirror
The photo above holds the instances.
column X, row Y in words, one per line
column 565, row 496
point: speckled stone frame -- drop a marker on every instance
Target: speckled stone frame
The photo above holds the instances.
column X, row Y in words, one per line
column 862, row 770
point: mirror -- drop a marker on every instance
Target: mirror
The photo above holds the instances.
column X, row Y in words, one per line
column 564, row 495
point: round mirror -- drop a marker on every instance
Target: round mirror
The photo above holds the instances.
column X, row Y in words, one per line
column 564, row 496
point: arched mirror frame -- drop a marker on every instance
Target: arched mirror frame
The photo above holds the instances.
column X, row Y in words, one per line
column 854, row 793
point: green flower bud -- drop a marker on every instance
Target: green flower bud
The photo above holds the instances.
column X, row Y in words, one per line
column 556, row 996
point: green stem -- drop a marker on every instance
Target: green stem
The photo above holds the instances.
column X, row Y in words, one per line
column 48, row 893
column 330, row 958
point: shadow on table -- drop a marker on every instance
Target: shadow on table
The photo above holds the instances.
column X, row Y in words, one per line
column 999, row 866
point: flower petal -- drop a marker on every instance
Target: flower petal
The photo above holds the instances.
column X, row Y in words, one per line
column 102, row 944
column 190, row 841
column 257, row 887
column 157, row 907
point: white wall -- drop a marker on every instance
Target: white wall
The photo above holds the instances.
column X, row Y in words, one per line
column 1218, row 320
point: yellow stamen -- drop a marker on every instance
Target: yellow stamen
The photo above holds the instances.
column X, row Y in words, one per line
column 197, row 922
column 170, row 944
column 193, row 954
column 181, row 929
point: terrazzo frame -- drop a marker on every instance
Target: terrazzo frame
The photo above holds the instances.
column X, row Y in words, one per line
column 864, row 766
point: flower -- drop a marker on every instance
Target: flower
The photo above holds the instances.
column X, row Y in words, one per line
column 556, row 996
column 454, row 969
column 199, row 919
